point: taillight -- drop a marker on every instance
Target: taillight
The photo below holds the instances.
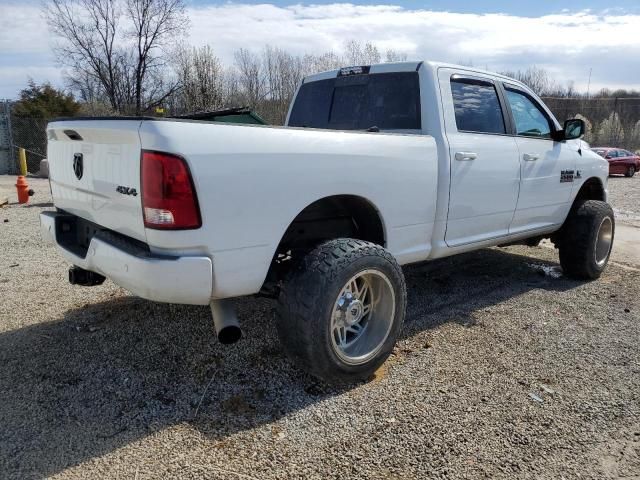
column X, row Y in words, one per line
column 169, row 199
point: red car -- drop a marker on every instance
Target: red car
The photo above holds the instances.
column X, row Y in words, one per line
column 621, row 162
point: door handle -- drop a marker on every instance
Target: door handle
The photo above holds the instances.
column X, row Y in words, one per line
column 461, row 156
column 529, row 157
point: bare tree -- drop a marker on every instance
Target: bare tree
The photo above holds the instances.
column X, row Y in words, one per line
column 201, row 78
column 284, row 72
column 395, row 56
column 251, row 80
column 321, row 63
column 538, row 80
column 611, row 130
column 156, row 24
column 88, row 33
column 116, row 52
column 589, row 133
column 358, row 54
column 118, row 44
column 634, row 136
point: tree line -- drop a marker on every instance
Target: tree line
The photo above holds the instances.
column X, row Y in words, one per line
column 129, row 57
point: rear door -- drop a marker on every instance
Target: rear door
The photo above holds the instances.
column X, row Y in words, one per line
column 547, row 167
column 94, row 167
column 485, row 171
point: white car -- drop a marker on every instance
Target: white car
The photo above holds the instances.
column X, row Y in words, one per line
column 378, row 166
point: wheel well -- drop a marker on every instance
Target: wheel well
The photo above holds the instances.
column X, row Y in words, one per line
column 338, row 216
column 334, row 217
column 592, row 189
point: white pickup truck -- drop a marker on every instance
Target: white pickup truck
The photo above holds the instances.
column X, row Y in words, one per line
column 378, row 166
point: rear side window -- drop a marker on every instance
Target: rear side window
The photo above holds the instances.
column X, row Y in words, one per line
column 389, row 101
column 476, row 106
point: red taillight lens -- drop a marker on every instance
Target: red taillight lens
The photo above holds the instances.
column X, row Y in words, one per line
column 168, row 198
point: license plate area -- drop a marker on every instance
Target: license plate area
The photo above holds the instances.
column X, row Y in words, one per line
column 74, row 233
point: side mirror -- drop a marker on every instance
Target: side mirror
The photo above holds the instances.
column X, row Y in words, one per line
column 573, row 129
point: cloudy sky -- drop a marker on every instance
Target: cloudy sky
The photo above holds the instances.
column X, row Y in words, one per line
column 493, row 34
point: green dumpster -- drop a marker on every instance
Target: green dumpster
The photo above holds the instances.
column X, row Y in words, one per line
column 229, row 115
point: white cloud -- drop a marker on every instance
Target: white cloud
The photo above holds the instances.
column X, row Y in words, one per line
column 13, row 79
column 22, row 30
column 25, row 50
column 567, row 44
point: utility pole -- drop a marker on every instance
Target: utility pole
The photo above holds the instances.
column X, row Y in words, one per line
column 589, row 82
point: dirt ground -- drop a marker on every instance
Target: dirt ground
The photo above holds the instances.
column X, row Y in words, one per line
column 505, row 369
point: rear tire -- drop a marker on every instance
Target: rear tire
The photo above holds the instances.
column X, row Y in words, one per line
column 631, row 171
column 341, row 310
column 586, row 240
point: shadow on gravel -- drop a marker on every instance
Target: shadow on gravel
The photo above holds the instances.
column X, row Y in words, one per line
column 108, row 374
column 39, row 205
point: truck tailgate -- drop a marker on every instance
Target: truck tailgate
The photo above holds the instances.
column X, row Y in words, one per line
column 94, row 168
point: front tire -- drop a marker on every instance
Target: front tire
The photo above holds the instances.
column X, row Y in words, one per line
column 586, row 240
column 341, row 309
column 631, row 171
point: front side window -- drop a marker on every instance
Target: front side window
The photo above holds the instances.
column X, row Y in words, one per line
column 389, row 101
column 528, row 116
column 476, row 106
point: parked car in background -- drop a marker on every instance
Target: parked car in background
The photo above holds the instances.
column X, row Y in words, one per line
column 621, row 162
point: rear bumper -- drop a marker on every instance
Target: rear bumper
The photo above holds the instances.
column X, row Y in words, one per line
column 164, row 279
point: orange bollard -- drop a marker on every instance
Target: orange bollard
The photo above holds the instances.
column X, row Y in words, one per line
column 23, row 189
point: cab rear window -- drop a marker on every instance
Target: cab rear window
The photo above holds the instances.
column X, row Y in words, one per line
column 389, row 101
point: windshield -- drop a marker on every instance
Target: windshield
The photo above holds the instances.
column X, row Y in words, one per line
column 389, row 101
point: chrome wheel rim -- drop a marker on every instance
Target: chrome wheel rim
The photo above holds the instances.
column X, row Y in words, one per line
column 362, row 317
column 603, row 241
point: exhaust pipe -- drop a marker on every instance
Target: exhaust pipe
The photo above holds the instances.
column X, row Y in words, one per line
column 225, row 321
column 86, row 278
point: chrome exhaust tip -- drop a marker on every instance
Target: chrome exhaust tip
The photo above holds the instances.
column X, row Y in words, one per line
column 225, row 321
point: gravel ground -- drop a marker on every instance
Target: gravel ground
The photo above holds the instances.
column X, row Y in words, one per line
column 502, row 371
column 624, row 195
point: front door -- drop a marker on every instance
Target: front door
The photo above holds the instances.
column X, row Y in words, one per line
column 485, row 171
column 547, row 167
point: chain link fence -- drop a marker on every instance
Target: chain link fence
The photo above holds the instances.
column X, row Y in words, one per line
column 6, row 141
column 610, row 121
column 21, row 132
column 30, row 134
